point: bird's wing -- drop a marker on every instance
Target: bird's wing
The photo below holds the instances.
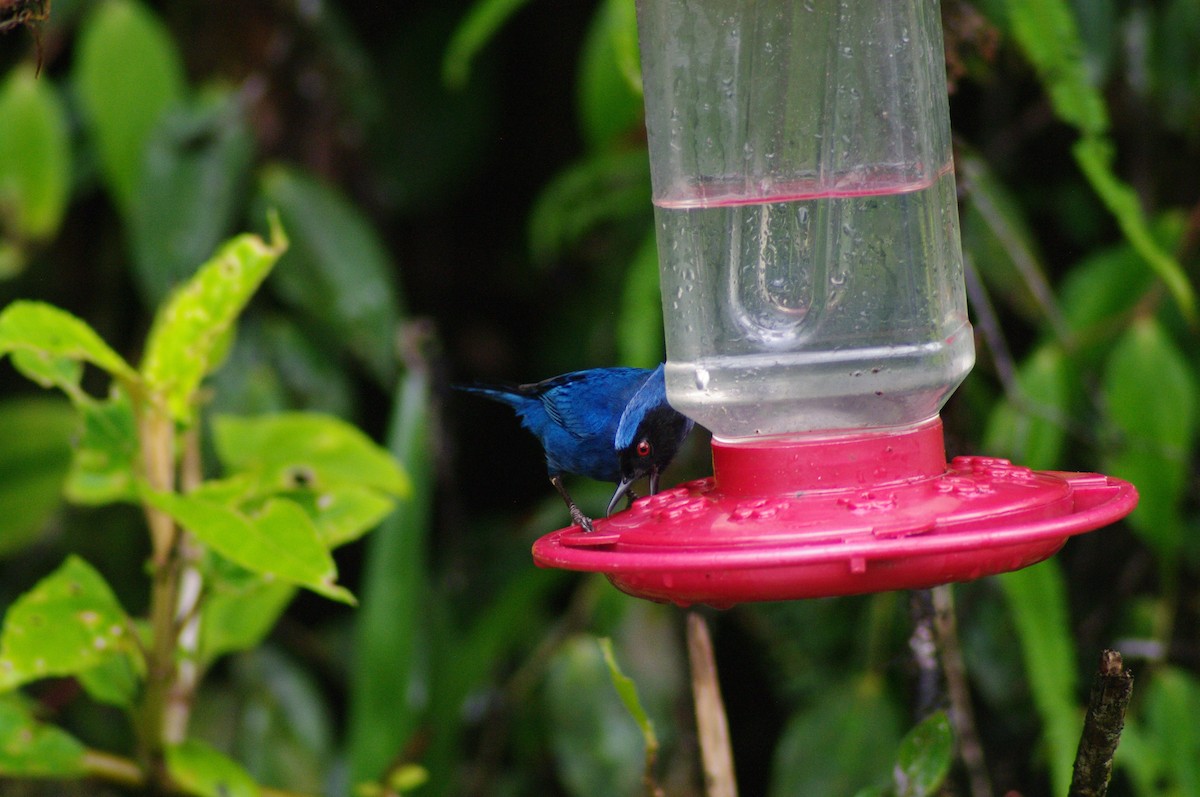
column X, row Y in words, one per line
column 588, row 403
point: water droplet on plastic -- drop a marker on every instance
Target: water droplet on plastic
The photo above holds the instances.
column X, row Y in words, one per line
column 701, row 378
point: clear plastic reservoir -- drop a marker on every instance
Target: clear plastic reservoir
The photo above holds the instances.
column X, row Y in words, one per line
column 804, row 192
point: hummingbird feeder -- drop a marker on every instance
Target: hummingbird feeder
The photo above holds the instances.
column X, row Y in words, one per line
column 816, row 319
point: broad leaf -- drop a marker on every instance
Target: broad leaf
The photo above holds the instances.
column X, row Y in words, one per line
column 106, row 462
column 32, row 749
column 338, row 271
column 35, row 155
column 1030, row 426
column 596, row 748
column 610, row 81
column 841, row 743
column 345, row 512
column 924, row 758
column 1150, row 396
column 190, row 331
column 35, row 452
column 308, row 450
column 238, row 615
column 127, row 72
column 69, row 622
column 192, row 186
column 602, row 188
column 203, row 772
column 48, row 335
column 280, row 541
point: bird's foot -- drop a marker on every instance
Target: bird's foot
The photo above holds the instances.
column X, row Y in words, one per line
column 581, row 520
column 630, row 497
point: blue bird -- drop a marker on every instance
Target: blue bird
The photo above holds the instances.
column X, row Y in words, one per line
column 609, row 424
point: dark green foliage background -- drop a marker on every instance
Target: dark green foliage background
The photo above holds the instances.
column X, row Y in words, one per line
column 467, row 196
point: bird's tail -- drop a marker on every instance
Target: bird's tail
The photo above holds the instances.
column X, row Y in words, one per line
column 505, row 394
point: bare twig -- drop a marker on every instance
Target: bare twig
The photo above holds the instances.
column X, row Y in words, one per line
column 711, row 725
column 930, row 695
column 1102, row 727
column 962, row 717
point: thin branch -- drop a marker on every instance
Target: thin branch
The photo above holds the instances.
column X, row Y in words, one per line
column 962, row 716
column 125, row 772
column 711, row 724
column 1111, row 690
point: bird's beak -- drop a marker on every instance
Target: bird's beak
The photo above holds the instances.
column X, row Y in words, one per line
column 654, row 482
column 622, row 488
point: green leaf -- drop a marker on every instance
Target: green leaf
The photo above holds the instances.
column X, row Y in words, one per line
column 310, row 450
column 195, row 169
column 114, row 681
column 476, row 30
column 610, row 81
column 106, row 460
column 924, row 758
column 338, row 272
column 32, row 749
column 48, row 335
column 602, row 188
column 202, row 771
column 596, row 749
column 280, row 541
column 391, row 630
column 1048, row 35
column 35, row 156
column 1150, row 396
column 840, row 744
column 1172, row 700
column 127, row 73
column 1095, row 157
column 627, row 691
column 1030, row 426
column 1037, row 600
column 240, row 610
column 1109, row 283
column 35, row 453
column 346, row 512
column 69, row 622
column 640, row 324
column 190, row 331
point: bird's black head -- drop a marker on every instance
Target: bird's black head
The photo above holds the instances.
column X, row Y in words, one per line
column 649, row 436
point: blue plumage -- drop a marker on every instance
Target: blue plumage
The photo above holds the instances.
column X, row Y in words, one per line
column 609, row 424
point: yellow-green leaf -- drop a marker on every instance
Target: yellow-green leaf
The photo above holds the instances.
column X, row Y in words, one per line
column 35, row 155
column 69, row 622
column 190, row 330
column 49, row 334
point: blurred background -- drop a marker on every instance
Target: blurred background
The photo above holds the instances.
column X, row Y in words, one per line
column 466, row 189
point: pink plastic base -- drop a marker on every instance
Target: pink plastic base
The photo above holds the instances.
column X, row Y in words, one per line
column 814, row 517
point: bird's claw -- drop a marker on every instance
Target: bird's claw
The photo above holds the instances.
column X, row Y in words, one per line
column 582, row 521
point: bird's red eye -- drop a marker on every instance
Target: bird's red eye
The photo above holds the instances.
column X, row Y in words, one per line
column 643, row 448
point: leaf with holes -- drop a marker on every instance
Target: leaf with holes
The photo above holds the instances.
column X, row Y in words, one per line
column 69, row 622
column 280, row 541
column 202, row 771
column 309, row 450
column 32, row 749
column 192, row 328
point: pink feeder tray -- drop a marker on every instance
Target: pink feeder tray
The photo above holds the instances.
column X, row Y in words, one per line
column 809, row 517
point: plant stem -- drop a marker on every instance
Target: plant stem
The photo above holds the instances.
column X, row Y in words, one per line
column 178, row 709
column 157, row 440
column 712, row 727
column 124, row 772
